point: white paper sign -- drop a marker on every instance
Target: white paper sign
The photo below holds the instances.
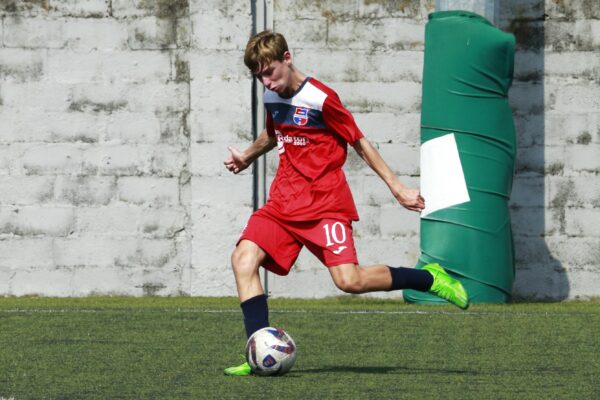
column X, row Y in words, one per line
column 442, row 179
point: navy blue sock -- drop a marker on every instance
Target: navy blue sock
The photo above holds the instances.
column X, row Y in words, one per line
column 410, row 278
column 256, row 313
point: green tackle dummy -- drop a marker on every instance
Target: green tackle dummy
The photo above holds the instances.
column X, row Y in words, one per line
column 467, row 155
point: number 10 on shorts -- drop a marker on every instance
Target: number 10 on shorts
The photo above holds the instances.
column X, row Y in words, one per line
column 335, row 233
column 339, row 245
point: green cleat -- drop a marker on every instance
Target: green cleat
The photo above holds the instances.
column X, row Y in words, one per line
column 447, row 287
column 241, row 370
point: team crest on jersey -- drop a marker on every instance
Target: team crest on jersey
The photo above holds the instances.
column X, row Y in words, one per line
column 301, row 116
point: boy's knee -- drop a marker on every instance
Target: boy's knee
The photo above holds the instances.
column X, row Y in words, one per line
column 236, row 256
column 244, row 259
column 351, row 288
column 350, row 284
column 240, row 259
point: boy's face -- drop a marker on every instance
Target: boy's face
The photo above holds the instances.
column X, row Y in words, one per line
column 277, row 75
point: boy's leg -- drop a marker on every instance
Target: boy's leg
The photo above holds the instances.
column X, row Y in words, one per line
column 352, row 278
column 433, row 278
column 265, row 242
column 332, row 242
column 246, row 260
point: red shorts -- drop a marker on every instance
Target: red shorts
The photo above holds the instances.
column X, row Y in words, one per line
column 328, row 239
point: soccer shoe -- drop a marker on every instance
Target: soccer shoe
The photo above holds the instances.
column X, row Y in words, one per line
column 240, row 370
column 447, row 287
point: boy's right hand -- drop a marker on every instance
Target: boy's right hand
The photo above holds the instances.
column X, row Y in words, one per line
column 236, row 162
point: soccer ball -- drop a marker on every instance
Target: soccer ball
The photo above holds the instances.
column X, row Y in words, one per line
column 270, row 351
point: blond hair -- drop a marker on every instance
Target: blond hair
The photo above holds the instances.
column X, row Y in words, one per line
column 264, row 48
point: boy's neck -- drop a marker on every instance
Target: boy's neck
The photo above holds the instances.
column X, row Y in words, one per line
column 296, row 80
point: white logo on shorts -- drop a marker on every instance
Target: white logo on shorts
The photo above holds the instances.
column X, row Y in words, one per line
column 339, row 250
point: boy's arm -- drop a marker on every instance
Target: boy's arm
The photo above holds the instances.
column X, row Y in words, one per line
column 240, row 160
column 409, row 198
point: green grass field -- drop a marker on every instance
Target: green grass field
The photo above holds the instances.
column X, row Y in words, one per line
column 349, row 348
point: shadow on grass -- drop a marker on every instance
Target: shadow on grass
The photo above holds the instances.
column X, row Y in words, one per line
column 385, row 370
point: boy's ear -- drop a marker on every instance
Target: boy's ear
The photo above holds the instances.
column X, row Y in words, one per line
column 287, row 58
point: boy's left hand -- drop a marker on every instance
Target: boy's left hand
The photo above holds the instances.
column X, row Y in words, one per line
column 410, row 199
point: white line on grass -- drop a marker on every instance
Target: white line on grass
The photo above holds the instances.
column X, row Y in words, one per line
column 297, row 311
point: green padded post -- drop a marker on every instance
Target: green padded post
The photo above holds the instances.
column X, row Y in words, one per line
column 467, row 73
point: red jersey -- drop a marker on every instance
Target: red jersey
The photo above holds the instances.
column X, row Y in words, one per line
column 313, row 130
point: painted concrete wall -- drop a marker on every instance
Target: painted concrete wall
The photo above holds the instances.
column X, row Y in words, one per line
column 115, row 117
column 556, row 103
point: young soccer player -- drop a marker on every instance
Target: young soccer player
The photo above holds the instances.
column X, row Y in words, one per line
column 310, row 203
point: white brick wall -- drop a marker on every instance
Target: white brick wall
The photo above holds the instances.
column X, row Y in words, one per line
column 115, row 118
column 94, row 140
column 555, row 195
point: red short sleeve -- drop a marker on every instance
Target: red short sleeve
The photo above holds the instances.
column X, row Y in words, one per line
column 340, row 120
